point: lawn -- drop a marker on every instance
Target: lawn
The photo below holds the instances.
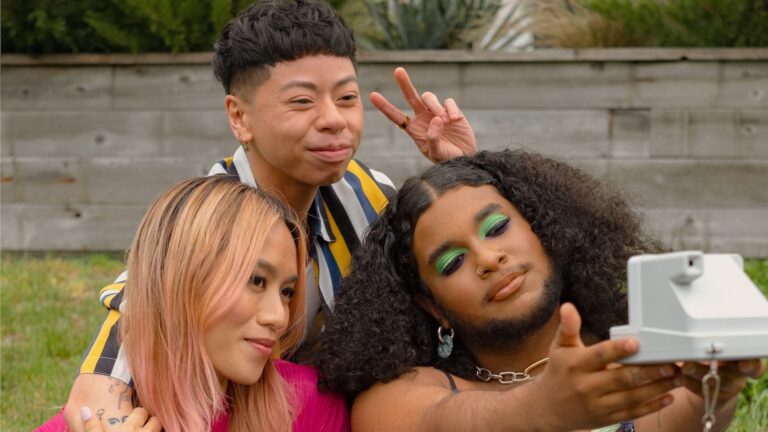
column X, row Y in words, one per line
column 49, row 310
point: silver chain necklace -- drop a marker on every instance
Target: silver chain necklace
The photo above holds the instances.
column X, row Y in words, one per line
column 486, row 375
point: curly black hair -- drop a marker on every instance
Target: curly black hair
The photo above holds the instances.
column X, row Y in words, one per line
column 378, row 331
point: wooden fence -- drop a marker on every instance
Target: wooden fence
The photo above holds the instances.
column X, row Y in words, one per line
column 87, row 141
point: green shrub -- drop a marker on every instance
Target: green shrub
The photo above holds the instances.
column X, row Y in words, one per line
column 163, row 25
column 689, row 23
column 58, row 26
column 51, row 26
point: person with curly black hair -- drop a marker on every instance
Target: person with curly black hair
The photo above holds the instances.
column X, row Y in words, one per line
column 481, row 298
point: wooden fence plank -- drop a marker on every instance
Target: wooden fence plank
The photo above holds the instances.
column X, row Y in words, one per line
column 580, row 133
column 44, row 180
column 56, row 88
column 717, row 230
column 84, row 133
column 745, row 84
column 197, row 135
column 729, row 133
column 630, row 132
column 175, row 87
column 693, row 184
column 68, row 227
column 8, row 181
column 669, row 132
column 679, row 84
column 136, row 181
column 576, row 85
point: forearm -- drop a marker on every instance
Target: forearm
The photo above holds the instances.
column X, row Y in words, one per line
column 109, row 399
column 685, row 414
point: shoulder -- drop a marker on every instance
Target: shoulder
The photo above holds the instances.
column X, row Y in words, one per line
column 316, row 411
column 401, row 403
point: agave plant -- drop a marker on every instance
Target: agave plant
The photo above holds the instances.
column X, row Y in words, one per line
column 427, row 24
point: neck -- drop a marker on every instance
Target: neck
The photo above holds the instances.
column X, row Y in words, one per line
column 296, row 194
column 518, row 357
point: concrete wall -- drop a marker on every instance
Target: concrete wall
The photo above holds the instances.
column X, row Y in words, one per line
column 88, row 141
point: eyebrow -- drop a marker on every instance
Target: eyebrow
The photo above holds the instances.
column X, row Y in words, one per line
column 309, row 85
column 479, row 217
column 269, row 268
column 486, row 211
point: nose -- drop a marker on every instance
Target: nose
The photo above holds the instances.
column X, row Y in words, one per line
column 330, row 118
column 273, row 312
column 489, row 260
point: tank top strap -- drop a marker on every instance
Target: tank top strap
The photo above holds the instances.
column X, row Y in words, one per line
column 452, row 383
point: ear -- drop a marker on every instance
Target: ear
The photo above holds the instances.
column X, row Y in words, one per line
column 235, row 108
column 432, row 309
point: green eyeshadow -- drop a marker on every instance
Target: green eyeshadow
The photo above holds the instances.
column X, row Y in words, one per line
column 447, row 258
column 490, row 222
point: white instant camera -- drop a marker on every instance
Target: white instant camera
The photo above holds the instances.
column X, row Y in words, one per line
column 693, row 306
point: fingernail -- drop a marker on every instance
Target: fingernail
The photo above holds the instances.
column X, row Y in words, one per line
column 667, row 371
column 85, row 413
column 630, row 345
column 667, row 400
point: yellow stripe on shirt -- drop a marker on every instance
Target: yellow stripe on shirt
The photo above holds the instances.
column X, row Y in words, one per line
column 371, row 189
column 339, row 248
column 115, row 288
column 89, row 363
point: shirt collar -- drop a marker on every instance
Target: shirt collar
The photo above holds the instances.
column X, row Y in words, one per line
column 316, row 214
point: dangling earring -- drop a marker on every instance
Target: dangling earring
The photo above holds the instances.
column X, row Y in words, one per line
column 445, row 346
column 244, row 145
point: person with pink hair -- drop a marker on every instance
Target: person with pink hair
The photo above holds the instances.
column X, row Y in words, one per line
column 216, row 295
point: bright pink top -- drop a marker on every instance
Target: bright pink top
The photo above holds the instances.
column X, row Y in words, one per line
column 322, row 412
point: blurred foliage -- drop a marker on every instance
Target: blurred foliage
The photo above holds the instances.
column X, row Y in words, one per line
column 104, row 26
column 163, row 25
column 50, row 26
column 426, row 24
column 673, row 23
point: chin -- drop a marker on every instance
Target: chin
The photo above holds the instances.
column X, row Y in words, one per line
column 331, row 178
column 249, row 379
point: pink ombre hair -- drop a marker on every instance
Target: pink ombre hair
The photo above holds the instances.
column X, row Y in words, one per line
column 194, row 251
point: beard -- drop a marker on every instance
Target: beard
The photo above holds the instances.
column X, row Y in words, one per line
column 498, row 335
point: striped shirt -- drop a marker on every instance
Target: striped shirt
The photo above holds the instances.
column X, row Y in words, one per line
column 337, row 220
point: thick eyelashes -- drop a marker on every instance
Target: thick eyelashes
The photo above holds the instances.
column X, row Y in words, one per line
column 493, row 225
column 450, row 261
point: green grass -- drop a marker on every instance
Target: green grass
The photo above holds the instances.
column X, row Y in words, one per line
column 49, row 311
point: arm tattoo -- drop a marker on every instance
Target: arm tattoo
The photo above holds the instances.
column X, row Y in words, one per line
column 125, row 396
column 115, row 420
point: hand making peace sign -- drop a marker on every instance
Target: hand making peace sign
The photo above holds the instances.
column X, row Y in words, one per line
column 440, row 131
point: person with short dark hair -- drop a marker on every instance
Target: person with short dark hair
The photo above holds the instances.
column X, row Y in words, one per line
column 481, row 300
column 294, row 104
